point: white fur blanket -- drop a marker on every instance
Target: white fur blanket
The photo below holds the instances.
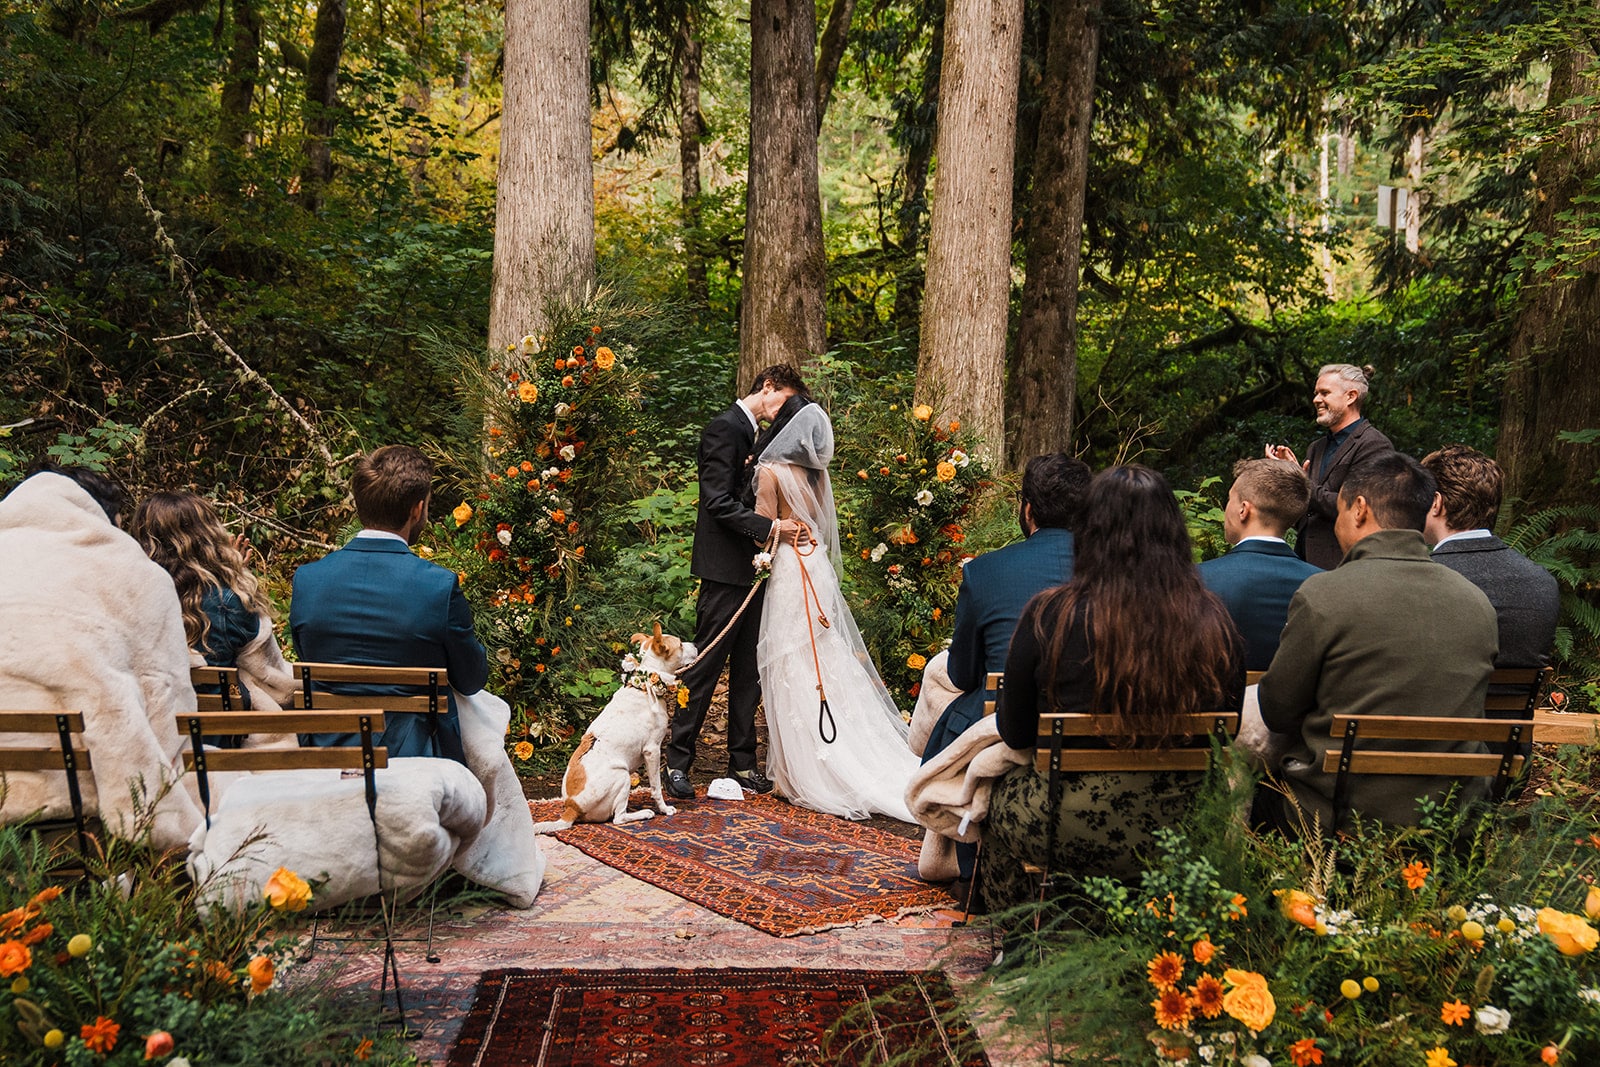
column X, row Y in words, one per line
column 88, row 623
column 935, row 695
column 950, row 794
column 432, row 813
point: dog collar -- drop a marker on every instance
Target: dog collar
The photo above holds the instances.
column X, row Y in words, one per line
column 644, row 681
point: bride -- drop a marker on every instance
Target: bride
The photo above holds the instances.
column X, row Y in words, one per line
column 807, row 630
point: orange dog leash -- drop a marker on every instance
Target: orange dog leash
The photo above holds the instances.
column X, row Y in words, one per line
column 808, row 595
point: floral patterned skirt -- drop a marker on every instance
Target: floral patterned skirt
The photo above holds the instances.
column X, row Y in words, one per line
column 1104, row 826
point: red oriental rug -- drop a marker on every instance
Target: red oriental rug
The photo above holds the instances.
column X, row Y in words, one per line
column 764, row 862
column 723, row 1017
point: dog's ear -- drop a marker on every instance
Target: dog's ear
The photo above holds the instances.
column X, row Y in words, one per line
column 658, row 630
column 638, row 639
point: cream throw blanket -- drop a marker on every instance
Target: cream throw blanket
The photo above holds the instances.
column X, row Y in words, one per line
column 949, row 795
column 88, row 623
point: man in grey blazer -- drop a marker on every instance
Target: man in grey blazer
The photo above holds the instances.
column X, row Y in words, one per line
column 1340, row 392
column 1387, row 633
column 1460, row 528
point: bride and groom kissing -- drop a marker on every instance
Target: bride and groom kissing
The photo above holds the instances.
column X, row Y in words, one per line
column 795, row 639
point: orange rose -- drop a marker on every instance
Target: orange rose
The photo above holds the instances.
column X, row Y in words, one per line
column 261, row 972
column 158, row 1044
column 567, row 382
column 1249, row 1001
column 945, row 470
column 523, row 750
column 558, row 516
column 527, row 392
column 1203, row 951
column 286, row 891
column 922, row 413
column 604, row 358
column 1572, row 936
column 15, row 957
column 1298, row 907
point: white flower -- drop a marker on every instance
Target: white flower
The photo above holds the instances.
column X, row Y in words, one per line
column 763, row 561
column 1492, row 1020
column 959, row 458
column 531, row 343
column 1254, row 1059
column 925, row 497
column 563, row 409
column 1590, row 995
column 568, row 453
column 878, row 550
column 504, row 537
column 1206, row 1053
column 629, row 663
column 549, row 472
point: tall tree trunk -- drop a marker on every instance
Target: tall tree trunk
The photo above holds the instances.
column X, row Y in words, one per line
column 544, row 206
column 781, row 309
column 914, row 187
column 322, row 100
column 1414, row 197
column 1554, row 383
column 961, row 365
column 1043, row 387
column 691, row 129
column 831, row 51
column 235, row 130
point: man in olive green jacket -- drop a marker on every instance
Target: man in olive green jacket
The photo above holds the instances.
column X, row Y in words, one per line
column 1389, row 632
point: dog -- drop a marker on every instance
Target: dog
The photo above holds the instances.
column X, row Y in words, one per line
column 628, row 730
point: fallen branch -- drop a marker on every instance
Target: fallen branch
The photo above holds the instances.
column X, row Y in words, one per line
column 203, row 328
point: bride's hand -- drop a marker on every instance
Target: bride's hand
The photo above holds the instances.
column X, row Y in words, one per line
column 794, row 531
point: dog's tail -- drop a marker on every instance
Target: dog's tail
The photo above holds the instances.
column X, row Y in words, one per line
column 569, row 816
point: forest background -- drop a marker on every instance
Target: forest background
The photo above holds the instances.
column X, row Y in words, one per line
column 243, row 240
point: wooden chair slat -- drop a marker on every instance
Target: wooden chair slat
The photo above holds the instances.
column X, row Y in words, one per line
column 1505, row 702
column 38, row 722
column 213, row 675
column 1444, row 764
column 345, row 701
column 1524, row 676
column 1253, row 677
column 369, row 675
column 282, row 722
column 1565, row 728
column 993, row 684
column 1081, row 725
column 1427, row 728
column 1155, row 759
column 41, row 759
column 286, row 759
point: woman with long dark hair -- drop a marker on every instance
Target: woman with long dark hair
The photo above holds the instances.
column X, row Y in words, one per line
column 1134, row 635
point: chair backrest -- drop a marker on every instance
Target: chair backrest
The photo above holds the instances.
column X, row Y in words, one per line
column 1253, row 677
column 1346, row 760
column 65, row 729
column 993, row 684
column 218, row 689
column 1514, row 692
column 1055, row 753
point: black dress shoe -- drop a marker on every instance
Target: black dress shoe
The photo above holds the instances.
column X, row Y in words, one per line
column 752, row 779
column 678, row 785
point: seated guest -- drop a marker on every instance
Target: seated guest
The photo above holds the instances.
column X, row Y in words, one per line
column 1385, row 633
column 225, row 615
column 1134, row 635
column 1260, row 572
column 997, row 585
column 375, row 602
column 88, row 623
column 1460, row 527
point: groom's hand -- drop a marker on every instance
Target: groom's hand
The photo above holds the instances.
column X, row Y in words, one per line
column 795, row 531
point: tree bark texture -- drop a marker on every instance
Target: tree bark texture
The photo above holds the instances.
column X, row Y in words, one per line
column 691, row 131
column 1043, row 386
column 830, row 51
column 235, row 131
column 1554, row 381
column 914, row 186
column 322, row 99
column 782, row 302
column 544, row 206
column 961, row 365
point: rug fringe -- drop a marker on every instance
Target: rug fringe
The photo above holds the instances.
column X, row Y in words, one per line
column 870, row 920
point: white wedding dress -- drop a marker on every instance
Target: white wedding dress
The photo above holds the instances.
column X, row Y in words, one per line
column 866, row 768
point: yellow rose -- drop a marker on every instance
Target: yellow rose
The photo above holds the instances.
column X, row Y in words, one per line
column 527, row 392
column 604, row 358
column 462, row 514
column 1249, row 1001
column 286, row 891
column 523, row 750
column 945, row 470
column 922, row 412
column 261, row 972
column 1572, row 936
column 916, row 662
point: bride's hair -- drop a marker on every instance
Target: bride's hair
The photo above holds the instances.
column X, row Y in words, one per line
column 184, row 534
column 1161, row 643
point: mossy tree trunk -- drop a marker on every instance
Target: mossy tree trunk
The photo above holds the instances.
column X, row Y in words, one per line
column 322, row 100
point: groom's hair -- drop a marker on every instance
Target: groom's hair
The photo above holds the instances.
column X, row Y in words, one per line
column 782, row 376
column 387, row 484
column 1054, row 484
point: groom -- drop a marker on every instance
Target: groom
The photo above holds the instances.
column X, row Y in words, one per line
column 727, row 536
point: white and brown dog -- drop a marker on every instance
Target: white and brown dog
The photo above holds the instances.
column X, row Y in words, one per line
column 628, row 730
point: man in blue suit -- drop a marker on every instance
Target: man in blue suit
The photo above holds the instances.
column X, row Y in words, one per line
column 997, row 585
column 375, row 602
column 1259, row 575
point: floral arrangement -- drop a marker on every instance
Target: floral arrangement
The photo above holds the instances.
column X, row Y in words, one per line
column 119, row 968
column 906, row 540
column 559, row 413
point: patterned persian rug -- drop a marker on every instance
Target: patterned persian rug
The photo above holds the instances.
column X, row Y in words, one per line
column 723, row 1017
column 764, row 862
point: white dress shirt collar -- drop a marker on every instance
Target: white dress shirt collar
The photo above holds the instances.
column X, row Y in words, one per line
column 1463, row 535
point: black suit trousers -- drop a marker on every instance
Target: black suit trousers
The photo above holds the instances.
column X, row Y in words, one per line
column 718, row 603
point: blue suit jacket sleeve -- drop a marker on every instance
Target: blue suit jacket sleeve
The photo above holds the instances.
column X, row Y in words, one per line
column 468, row 663
column 966, row 661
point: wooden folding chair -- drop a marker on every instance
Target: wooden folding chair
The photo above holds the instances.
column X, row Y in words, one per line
column 65, row 755
column 397, row 690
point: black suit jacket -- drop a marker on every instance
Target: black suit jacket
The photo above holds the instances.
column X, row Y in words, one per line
column 1525, row 596
column 1316, row 544
column 727, row 531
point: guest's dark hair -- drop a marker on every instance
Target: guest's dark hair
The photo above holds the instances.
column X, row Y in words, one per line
column 1470, row 483
column 183, row 533
column 1163, row 645
column 107, row 491
column 1052, row 486
column 1397, row 489
column 388, row 483
column 782, row 376
column 1280, row 491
